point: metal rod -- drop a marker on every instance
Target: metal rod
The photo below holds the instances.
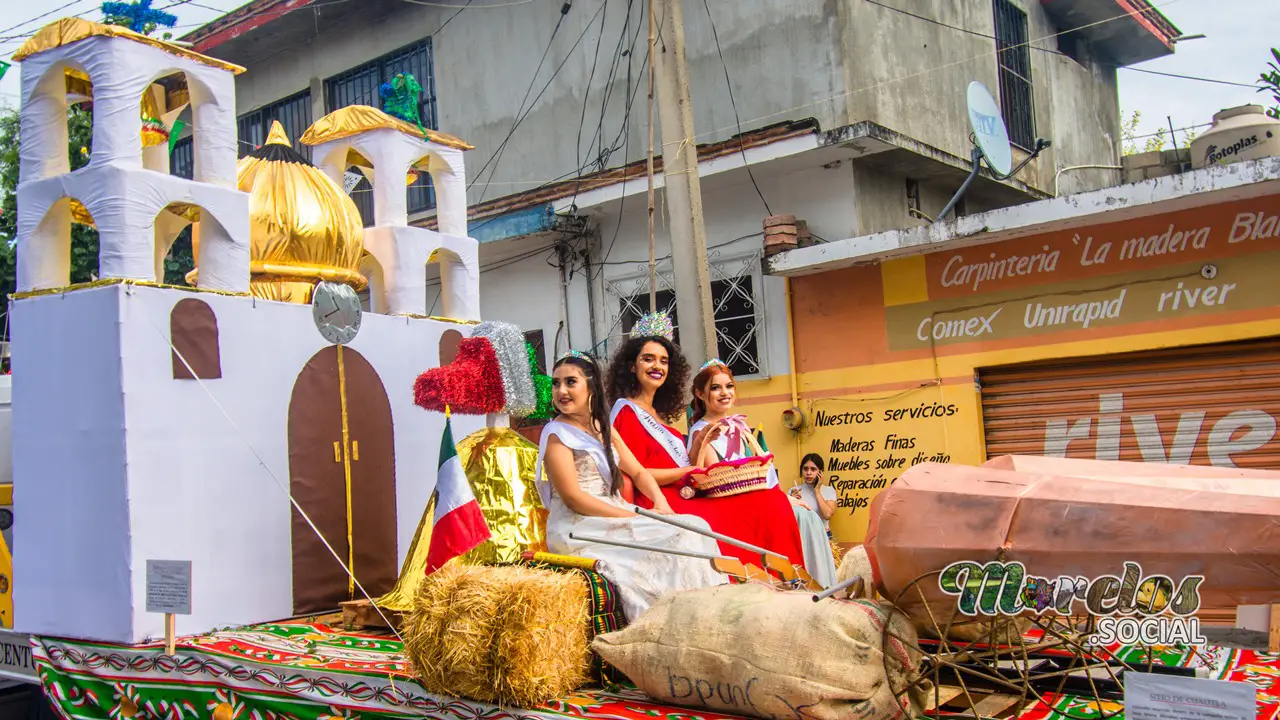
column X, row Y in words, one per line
column 653, row 263
column 638, row 546
column 707, row 533
column 837, row 588
column 976, row 157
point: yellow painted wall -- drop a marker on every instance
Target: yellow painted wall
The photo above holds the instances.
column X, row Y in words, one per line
column 878, row 399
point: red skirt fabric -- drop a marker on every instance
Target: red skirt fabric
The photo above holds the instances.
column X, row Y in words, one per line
column 763, row 518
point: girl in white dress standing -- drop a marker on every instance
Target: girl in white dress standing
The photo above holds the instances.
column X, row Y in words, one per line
column 579, row 483
column 714, row 396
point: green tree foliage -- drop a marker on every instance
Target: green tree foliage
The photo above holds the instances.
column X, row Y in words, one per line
column 84, row 240
column 1270, row 80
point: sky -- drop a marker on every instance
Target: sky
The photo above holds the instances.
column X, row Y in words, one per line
column 1239, row 34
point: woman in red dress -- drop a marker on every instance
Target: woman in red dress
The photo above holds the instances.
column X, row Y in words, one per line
column 647, row 378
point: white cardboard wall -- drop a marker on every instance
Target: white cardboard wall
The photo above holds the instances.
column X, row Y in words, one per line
column 116, row 462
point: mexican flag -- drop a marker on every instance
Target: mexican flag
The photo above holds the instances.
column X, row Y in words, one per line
column 459, row 524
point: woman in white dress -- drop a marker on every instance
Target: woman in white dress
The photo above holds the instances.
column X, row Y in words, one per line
column 714, row 396
column 579, row 484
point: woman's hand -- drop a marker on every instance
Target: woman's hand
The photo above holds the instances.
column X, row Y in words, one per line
column 798, row 502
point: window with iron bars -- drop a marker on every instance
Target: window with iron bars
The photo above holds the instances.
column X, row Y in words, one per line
column 1013, row 52
column 182, row 162
column 294, row 114
column 359, row 86
column 734, row 304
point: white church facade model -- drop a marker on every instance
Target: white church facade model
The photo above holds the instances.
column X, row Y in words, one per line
column 162, row 423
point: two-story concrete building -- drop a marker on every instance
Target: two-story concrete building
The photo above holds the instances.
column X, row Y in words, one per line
column 849, row 114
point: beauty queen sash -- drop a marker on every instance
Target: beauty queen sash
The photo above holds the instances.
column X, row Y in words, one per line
column 656, row 430
column 574, row 439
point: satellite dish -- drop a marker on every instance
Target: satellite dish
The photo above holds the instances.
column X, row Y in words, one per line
column 988, row 128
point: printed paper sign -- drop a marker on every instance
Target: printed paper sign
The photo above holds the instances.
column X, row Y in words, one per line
column 1169, row 697
column 16, row 661
column 169, row 586
column 350, row 180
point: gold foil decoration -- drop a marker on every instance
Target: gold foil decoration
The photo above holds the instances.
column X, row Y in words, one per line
column 500, row 465
column 106, row 282
column 303, row 227
column 356, row 119
column 74, row 29
column 414, row 569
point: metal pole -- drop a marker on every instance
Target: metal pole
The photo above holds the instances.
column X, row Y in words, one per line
column 638, row 546
column 976, row 157
column 706, row 533
column 837, row 588
column 653, row 263
column 682, row 190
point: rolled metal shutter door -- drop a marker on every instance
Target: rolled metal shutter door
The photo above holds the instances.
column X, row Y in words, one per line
column 1200, row 405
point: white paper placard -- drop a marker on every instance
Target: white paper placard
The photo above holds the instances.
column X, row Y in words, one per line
column 350, row 180
column 1169, row 697
column 16, row 660
column 169, row 586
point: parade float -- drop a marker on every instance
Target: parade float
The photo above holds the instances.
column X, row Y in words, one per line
column 206, row 475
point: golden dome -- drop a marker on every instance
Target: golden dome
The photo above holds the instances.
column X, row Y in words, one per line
column 303, row 227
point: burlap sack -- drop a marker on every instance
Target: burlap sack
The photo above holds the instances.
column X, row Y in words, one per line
column 753, row 650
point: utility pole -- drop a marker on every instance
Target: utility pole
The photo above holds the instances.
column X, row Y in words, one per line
column 683, row 190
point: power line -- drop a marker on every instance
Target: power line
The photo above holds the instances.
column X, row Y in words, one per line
column 1191, row 77
column 922, row 73
column 715, row 35
column 44, row 15
column 542, row 92
column 1057, row 52
column 564, row 11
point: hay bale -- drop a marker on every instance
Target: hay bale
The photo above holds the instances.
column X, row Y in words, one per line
column 507, row 635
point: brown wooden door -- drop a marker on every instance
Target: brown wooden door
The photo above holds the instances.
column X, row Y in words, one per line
column 373, row 475
column 320, row 457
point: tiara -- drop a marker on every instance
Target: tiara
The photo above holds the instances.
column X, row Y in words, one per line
column 712, row 361
column 578, row 354
column 656, row 324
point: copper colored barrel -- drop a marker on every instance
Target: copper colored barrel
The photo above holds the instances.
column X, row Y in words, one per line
column 1221, row 524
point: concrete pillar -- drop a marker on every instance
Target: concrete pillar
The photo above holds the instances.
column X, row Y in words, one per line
column 43, row 125
column 390, row 194
column 44, row 247
column 122, row 251
column 451, row 195
column 117, row 125
column 223, row 263
column 214, row 139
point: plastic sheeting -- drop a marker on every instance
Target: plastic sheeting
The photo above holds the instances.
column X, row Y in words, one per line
column 123, row 197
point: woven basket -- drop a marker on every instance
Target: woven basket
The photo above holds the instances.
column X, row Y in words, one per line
column 731, row 477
